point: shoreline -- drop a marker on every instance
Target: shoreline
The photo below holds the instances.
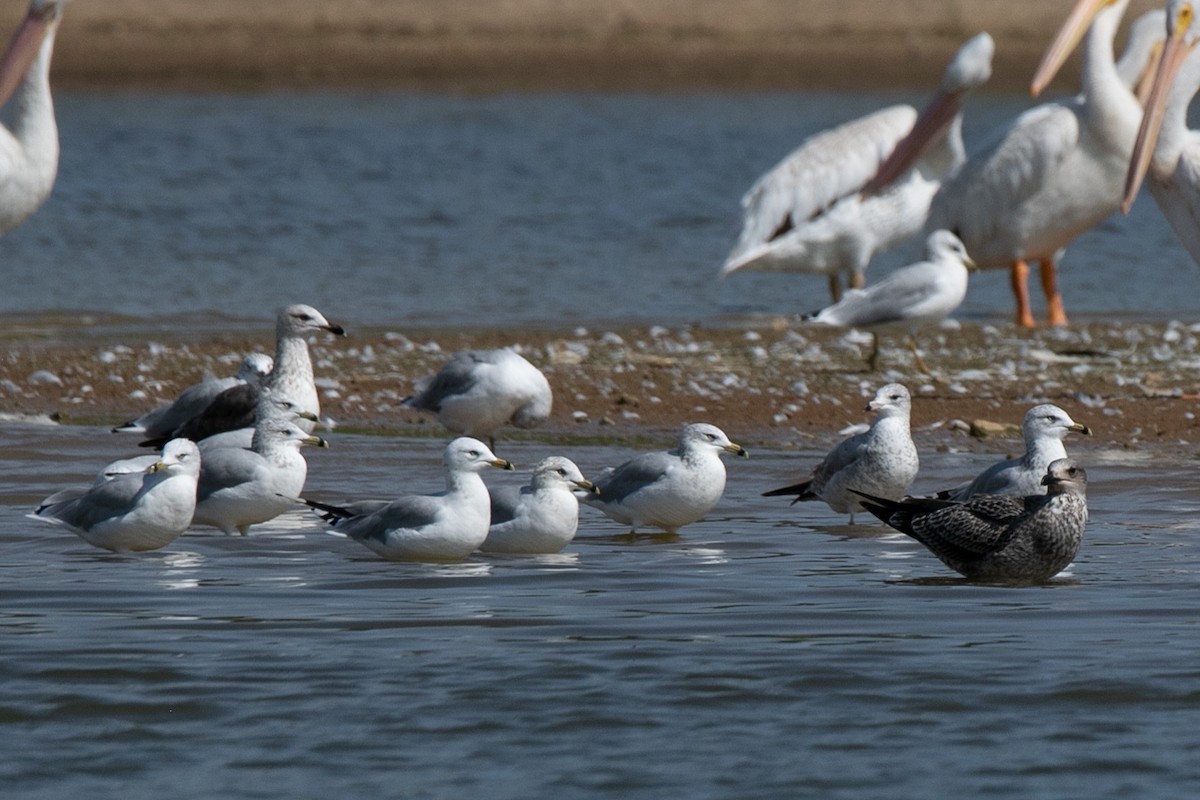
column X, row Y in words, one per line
column 543, row 45
column 785, row 387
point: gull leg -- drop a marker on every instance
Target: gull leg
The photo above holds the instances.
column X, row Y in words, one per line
column 1020, row 287
column 1055, row 313
column 873, row 359
column 921, row 365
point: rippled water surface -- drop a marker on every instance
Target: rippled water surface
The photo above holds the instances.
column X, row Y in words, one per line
column 770, row 651
column 397, row 208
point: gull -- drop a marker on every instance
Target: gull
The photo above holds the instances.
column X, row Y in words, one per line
column 162, row 421
column 999, row 537
column 912, row 297
column 447, row 526
column 132, row 511
column 1043, row 429
column 814, row 211
column 881, row 460
column 240, row 487
column 292, row 376
column 668, row 490
column 541, row 517
column 477, row 391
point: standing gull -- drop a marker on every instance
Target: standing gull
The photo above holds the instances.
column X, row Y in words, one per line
column 29, row 144
column 810, row 213
column 447, row 526
column 1043, row 429
column 163, row 420
column 541, row 517
column 292, row 376
column 881, row 461
column 999, row 537
column 477, row 391
column 130, row 511
column 240, row 487
column 668, row 490
column 912, row 297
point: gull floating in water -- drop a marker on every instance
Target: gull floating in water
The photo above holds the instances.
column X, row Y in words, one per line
column 541, row 517
column 881, row 461
column 240, row 487
column 162, row 421
column 1043, row 429
column 668, row 490
column 999, row 537
column 132, row 511
column 912, row 297
column 447, row 526
column 477, row 391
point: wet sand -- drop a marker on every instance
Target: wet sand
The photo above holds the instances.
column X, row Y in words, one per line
column 543, row 44
column 764, row 382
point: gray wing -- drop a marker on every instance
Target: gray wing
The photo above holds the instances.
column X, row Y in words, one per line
column 232, row 409
column 505, row 501
column 839, row 458
column 634, row 475
column 224, row 468
column 411, row 512
column 892, row 299
column 95, row 505
column 454, row 378
column 191, row 401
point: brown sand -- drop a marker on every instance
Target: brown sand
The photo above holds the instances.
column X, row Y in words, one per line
column 486, row 45
column 1134, row 384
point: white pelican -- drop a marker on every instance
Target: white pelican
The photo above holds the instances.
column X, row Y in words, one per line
column 808, row 214
column 1165, row 147
column 29, row 140
column 1053, row 172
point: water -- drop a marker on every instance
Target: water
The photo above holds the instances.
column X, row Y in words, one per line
column 412, row 209
column 768, row 652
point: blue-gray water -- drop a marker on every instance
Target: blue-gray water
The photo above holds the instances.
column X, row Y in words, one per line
column 769, row 652
column 395, row 209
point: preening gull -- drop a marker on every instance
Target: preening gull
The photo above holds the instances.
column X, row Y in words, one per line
column 999, row 537
column 477, row 391
column 1043, row 428
column 881, row 461
column 541, row 517
column 162, row 421
column 912, row 297
column 447, row 526
column 668, row 490
column 131, row 511
column 239, row 486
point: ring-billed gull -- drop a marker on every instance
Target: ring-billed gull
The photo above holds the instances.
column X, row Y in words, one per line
column 881, row 461
column 668, row 490
column 541, row 517
column 912, row 297
column 1043, row 429
column 447, row 526
column 239, row 486
column 477, row 391
column 162, row 421
column 131, row 511
column 999, row 537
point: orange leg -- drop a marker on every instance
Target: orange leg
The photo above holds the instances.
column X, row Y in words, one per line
column 1055, row 313
column 1020, row 287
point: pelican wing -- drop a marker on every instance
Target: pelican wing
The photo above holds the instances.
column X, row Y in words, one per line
column 825, row 168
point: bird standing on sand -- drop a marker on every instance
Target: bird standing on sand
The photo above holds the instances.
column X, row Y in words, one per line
column 999, row 537
column 132, row 510
column 912, row 297
column 810, row 214
column 477, row 391
column 668, row 490
column 541, row 517
column 1043, row 429
column 447, row 526
column 881, row 461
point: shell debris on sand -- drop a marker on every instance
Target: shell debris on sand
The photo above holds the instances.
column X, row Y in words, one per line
column 771, row 383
